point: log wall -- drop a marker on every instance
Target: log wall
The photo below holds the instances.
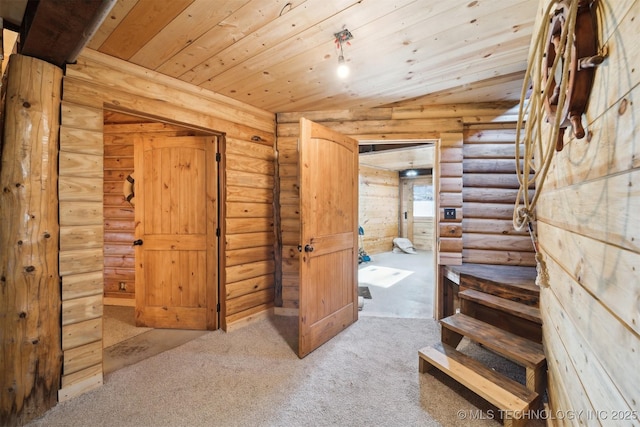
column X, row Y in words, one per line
column 449, row 123
column 29, row 235
column 97, row 82
column 449, row 196
column 378, row 208
column 489, row 191
column 119, row 132
column 589, row 236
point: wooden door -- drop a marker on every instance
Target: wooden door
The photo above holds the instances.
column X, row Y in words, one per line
column 329, row 245
column 406, row 209
column 176, row 219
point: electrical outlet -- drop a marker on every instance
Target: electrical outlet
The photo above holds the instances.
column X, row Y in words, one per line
column 449, row 213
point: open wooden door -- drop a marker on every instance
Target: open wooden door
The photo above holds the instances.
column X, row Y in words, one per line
column 329, row 246
column 176, row 217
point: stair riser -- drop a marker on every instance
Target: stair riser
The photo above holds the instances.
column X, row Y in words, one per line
column 516, row 325
column 501, row 290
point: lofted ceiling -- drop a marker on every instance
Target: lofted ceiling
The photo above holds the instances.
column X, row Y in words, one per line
column 281, row 55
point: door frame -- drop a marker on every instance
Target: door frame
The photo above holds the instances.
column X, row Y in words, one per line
column 221, row 149
column 437, row 288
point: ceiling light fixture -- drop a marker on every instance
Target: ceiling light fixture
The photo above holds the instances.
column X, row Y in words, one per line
column 342, row 37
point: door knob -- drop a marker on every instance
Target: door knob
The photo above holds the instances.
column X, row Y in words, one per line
column 308, row 248
column 137, row 242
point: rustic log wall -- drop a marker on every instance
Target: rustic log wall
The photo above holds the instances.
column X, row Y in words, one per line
column 589, row 235
column 449, row 123
column 449, row 196
column 373, row 124
column 490, row 187
column 378, row 208
column 119, row 132
column 97, row 82
column 29, row 280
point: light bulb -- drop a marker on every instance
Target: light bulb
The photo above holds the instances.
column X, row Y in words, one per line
column 343, row 68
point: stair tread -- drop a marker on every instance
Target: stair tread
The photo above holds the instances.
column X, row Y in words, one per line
column 520, row 350
column 494, row 387
column 511, row 307
column 523, row 277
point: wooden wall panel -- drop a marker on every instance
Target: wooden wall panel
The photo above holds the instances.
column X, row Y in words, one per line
column 490, row 188
column 91, row 174
column 119, row 224
column 588, row 235
column 449, row 155
column 81, row 260
column 491, row 141
column 378, row 208
column 372, row 124
column 421, row 230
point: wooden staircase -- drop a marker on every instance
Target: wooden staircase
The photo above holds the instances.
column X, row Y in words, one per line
column 498, row 310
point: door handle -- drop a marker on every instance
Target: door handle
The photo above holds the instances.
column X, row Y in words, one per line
column 308, row 248
column 137, row 242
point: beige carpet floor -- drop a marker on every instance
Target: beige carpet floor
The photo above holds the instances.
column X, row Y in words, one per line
column 366, row 376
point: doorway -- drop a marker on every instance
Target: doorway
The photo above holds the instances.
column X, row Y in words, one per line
column 124, row 342
column 397, row 202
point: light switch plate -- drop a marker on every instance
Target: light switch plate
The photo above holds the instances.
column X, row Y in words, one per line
column 449, row 213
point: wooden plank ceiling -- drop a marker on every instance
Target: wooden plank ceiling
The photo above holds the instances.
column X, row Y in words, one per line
column 280, row 55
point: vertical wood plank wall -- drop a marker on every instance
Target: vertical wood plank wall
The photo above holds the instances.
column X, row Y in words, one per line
column 397, row 123
column 378, row 208
column 423, row 231
column 93, row 83
column 589, row 234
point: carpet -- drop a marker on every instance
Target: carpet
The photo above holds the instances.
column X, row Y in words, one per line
column 383, row 277
column 367, row 376
column 364, row 292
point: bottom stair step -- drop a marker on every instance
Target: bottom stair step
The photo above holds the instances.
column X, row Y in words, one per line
column 508, row 395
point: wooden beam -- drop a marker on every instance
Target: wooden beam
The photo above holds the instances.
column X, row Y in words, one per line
column 56, row 31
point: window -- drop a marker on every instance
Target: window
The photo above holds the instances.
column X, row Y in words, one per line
column 423, row 201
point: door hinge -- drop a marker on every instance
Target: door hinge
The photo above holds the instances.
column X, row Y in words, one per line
column 218, row 157
column 218, row 232
column 218, row 307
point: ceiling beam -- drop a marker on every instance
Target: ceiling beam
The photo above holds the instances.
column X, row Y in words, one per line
column 55, row 31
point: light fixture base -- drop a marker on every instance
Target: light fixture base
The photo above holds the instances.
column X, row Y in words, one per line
column 343, row 36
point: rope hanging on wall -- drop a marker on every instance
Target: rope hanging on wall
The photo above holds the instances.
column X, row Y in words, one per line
column 560, row 74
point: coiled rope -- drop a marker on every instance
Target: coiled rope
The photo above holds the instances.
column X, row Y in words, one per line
column 529, row 131
column 537, row 157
